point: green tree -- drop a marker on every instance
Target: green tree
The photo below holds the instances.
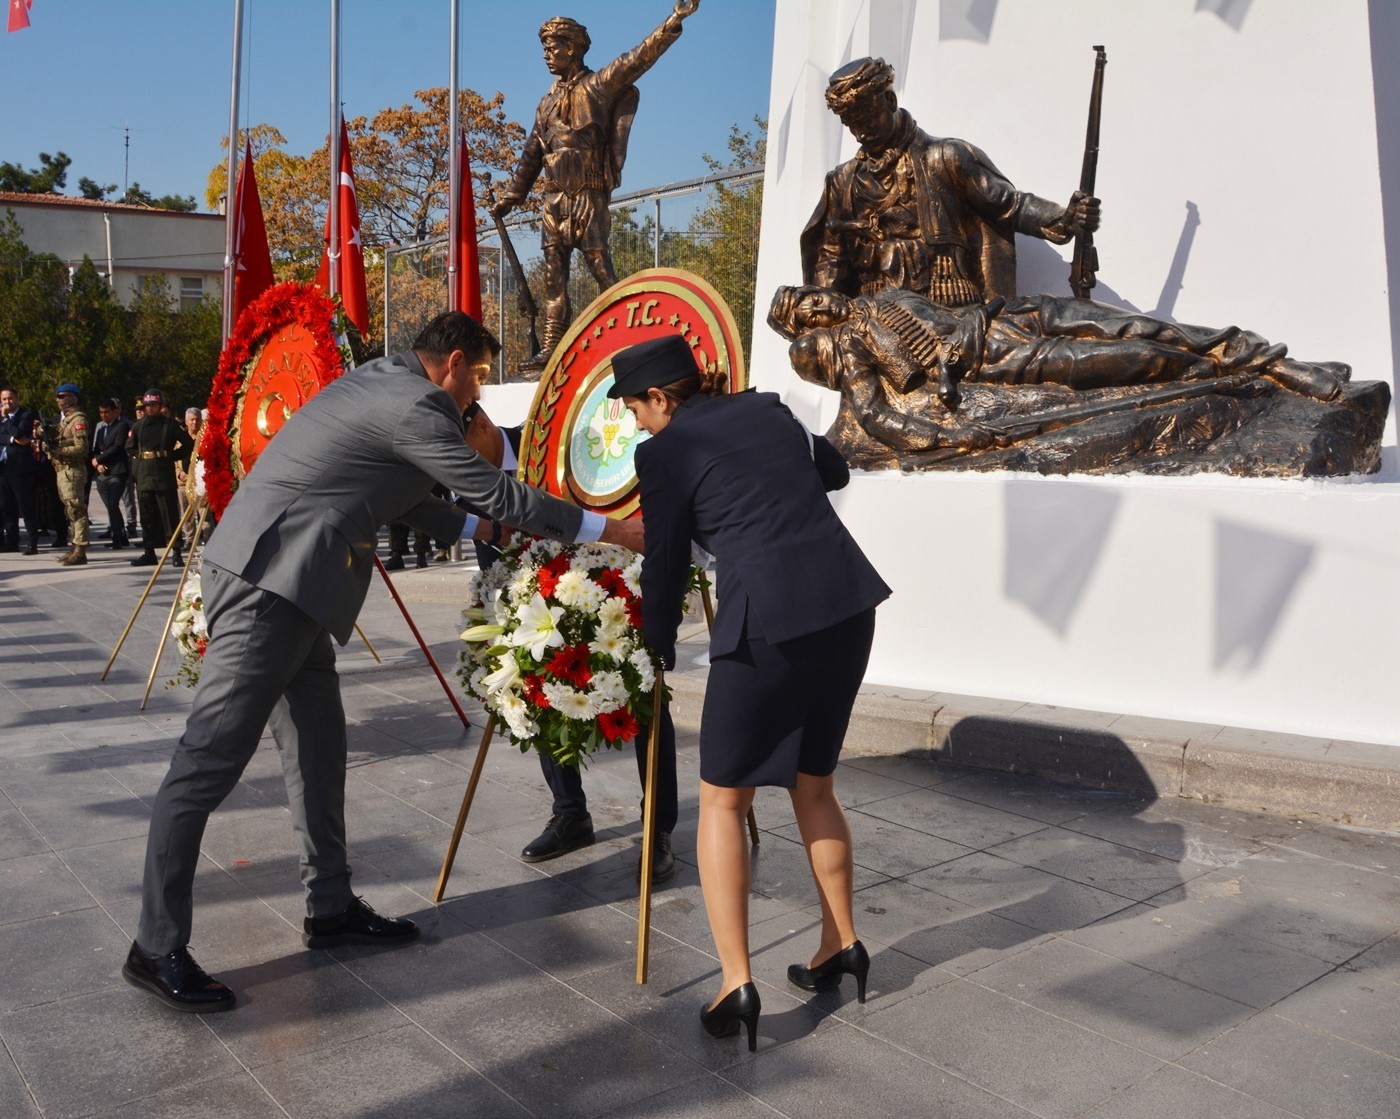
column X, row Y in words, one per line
column 93, row 336
column 136, row 196
column 32, row 305
column 177, row 351
column 47, row 178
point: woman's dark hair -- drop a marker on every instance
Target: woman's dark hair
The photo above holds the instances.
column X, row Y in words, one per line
column 704, row 382
column 455, row 330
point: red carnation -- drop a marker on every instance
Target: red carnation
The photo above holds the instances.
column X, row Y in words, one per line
column 618, row 725
column 571, row 663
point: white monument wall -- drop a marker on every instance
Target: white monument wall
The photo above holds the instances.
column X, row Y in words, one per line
column 1249, row 163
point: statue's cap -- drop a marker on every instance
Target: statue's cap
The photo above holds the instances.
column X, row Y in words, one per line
column 856, row 79
column 651, row 364
column 562, row 27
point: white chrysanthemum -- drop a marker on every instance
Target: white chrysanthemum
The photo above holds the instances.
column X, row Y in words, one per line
column 570, row 702
column 569, row 589
column 516, row 712
column 609, row 691
column 632, row 575
column 539, row 627
column 474, row 680
column 641, row 661
column 612, row 613
column 522, row 587
column 612, row 643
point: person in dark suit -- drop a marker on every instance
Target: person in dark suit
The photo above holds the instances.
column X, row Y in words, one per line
column 286, row 571
column 110, row 463
column 17, row 473
column 741, row 477
column 570, row 825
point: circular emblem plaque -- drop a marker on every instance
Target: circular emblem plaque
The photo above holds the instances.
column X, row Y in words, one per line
column 284, row 375
column 578, row 444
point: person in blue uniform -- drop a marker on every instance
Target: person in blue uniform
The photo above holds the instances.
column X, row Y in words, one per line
column 739, row 475
column 570, row 825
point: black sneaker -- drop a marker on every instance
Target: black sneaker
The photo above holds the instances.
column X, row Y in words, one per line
column 560, row 836
column 177, row 981
column 359, row 924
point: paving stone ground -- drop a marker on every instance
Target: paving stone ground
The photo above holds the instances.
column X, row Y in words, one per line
column 1038, row 949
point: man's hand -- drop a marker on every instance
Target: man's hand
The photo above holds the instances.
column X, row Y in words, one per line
column 1082, row 214
column 629, row 534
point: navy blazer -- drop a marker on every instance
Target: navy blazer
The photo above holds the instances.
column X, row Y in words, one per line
column 109, row 448
column 18, row 425
column 740, row 476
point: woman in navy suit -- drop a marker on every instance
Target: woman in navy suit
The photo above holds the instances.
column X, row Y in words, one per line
column 741, row 477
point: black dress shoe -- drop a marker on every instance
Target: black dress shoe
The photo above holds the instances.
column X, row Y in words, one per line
column 177, row 981
column 741, row 1005
column 145, row 559
column 826, row 976
column 394, row 563
column 422, row 562
column 32, row 550
column 560, row 836
column 357, row 925
column 663, row 862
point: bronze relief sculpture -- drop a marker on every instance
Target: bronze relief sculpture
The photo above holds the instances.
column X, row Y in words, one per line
column 577, row 147
column 908, row 310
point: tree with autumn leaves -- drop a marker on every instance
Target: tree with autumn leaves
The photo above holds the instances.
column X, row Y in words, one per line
column 401, row 183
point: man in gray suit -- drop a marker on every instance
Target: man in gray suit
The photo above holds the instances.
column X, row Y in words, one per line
column 286, row 571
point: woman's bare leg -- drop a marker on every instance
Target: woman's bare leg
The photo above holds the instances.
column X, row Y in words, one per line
column 827, row 837
column 722, row 849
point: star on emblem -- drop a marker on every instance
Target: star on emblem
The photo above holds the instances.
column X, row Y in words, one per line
column 675, row 319
column 612, row 321
column 685, row 328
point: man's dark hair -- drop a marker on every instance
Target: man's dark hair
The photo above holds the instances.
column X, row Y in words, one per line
column 111, row 402
column 455, row 330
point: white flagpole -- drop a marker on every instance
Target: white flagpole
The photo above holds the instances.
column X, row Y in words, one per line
column 333, row 215
column 454, row 174
column 230, row 214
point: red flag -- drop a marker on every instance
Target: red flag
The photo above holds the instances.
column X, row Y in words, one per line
column 350, row 268
column 19, row 14
column 468, row 266
column 252, row 261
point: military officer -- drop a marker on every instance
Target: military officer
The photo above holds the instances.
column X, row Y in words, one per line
column 155, row 445
column 69, row 443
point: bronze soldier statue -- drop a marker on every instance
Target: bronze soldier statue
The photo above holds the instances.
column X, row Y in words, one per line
column 578, row 144
column 931, row 215
column 69, row 443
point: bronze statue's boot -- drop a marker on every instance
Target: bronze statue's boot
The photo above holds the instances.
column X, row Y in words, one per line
column 76, row 558
column 1306, row 380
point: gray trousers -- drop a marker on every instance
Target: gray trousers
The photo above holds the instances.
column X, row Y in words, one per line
column 267, row 663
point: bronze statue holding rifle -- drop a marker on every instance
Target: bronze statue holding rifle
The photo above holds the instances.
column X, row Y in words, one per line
column 576, row 148
column 918, row 212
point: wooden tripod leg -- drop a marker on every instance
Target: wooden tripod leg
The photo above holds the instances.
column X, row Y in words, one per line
column 709, row 606
column 479, row 765
column 174, row 606
column 649, row 832
column 151, row 582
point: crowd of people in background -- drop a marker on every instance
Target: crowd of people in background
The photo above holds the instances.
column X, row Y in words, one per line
column 50, row 462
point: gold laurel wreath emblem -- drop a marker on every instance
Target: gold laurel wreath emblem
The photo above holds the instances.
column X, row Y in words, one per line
column 535, row 462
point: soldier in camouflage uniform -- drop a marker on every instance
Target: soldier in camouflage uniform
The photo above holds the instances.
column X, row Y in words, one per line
column 155, row 445
column 69, row 443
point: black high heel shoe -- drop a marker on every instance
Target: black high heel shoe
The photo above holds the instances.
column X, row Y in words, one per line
column 826, row 976
column 740, row 1005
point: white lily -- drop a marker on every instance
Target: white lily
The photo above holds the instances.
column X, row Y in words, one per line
column 482, row 633
column 539, row 627
column 507, row 675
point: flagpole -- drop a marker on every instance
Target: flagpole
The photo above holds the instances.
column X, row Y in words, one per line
column 230, row 217
column 454, row 174
column 333, row 247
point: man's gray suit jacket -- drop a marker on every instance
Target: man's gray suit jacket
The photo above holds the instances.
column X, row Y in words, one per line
column 362, row 452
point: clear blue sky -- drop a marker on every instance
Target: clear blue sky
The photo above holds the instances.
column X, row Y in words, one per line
column 86, row 68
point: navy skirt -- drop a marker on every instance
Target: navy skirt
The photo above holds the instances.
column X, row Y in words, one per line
column 774, row 711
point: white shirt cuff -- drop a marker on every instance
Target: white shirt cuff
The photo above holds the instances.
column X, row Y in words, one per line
column 591, row 527
column 469, row 526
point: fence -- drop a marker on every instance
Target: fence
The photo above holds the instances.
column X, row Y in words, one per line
column 709, row 226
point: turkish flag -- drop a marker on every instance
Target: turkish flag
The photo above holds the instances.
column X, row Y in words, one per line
column 468, row 294
column 19, row 14
column 252, row 261
column 350, row 268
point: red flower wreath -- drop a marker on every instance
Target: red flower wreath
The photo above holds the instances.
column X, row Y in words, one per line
column 279, row 306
